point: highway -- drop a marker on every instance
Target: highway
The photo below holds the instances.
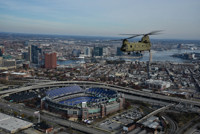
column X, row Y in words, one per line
column 187, row 125
column 148, row 100
column 193, row 129
column 30, row 112
column 173, row 125
column 126, row 90
column 154, row 113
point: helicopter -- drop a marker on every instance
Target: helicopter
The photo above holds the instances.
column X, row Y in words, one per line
column 143, row 45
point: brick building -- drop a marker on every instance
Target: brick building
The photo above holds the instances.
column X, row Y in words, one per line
column 50, row 60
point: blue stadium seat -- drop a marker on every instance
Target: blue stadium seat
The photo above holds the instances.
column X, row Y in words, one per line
column 63, row 91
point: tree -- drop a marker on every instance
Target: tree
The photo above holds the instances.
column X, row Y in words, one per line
column 31, row 118
column 23, row 115
column 15, row 113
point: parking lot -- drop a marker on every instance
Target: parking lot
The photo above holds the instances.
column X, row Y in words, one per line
column 118, row 121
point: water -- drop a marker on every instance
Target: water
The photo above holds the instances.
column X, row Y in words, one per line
column 165, row 55
column 70, row 62
column 66, row 62
column 156, row 56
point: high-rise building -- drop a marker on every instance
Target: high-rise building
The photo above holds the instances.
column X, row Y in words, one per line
column 29, row 53
column 119, row 52
column 9, row 63
column 1, row 54
column 88, row 51
column 25, row 55
column 50, row 60
column 1, row 61
column 26, row 43
column 1, row 50
column 76, row 52
column 105, row 51
column 98, row 51
column 36, row 55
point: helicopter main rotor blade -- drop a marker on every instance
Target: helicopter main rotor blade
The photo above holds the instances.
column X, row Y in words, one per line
column 116, row 40
column 154, row 32
column 136, row 35
column 133, row 36
column 150, row 33
column 111, row 40
column 127, row 38
column 128, row 34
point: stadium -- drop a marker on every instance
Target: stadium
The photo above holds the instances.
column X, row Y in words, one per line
column 76, row 102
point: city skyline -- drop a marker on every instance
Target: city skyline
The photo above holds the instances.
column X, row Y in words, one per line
column 179, row 19
column 65, row 69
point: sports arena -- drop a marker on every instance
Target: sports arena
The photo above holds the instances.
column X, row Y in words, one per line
column 75, row 101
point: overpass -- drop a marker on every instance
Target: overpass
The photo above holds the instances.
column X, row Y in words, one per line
column 125, row 90
column 155, row 112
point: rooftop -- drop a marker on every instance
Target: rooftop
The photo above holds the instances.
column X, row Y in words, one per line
column 12, row 124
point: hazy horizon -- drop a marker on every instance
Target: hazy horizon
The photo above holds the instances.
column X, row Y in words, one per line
column 178, row 18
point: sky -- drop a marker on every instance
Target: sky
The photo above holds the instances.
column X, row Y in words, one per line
column 179, row 19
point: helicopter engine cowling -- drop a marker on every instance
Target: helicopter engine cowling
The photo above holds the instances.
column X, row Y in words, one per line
column 124, row 45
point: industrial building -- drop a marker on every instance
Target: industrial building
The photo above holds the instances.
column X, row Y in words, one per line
column 157, row 84
column 11, row 124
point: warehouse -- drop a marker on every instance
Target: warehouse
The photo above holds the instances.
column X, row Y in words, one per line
column 11, row 124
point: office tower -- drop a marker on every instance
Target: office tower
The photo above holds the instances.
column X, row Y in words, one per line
column 50, row 60
column 88, row 51
column 29, row 53
column 25, row 55
column 36, row 55
column 76, row 52
column 119, row 52
column 26, row 43
column 1, row 61
column 1, row 53
column 98, row 51
column 105, row 51
column 1, row 50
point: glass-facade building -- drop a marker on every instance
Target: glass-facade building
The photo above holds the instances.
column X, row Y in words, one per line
column 98, row 51
column 36, row 55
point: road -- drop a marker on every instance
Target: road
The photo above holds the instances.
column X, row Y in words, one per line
column 187, row 125
column 155, row 112
column 104, row 85
column 148, row 100
column 193, row 129
column 29, row 112
column 173, row 125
